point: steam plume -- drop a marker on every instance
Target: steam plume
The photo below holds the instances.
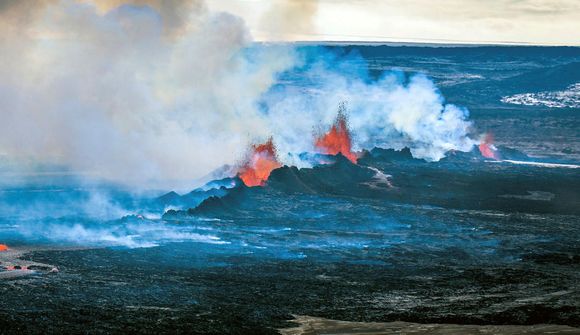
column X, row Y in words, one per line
column 156, row 93
column 109, row 94
column 391, row 112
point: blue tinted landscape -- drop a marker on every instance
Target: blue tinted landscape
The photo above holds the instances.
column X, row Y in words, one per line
column 484, row 233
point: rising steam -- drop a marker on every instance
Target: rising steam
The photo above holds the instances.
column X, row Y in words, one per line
column 149, row 92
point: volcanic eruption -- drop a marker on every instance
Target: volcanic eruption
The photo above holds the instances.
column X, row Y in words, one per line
column 256, row 170
column 337, row 139
column 487, row 149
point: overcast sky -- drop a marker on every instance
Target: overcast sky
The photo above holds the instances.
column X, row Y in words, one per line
column 478, row 21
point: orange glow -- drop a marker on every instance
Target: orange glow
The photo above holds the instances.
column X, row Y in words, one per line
column 3, row 247
column 16, row 267
column 487, row 149
column 337, row 140
column 257, row 169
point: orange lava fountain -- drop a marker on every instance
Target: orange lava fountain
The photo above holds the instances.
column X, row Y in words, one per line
column 257, row 169
column 337, row 139
column 487, row 149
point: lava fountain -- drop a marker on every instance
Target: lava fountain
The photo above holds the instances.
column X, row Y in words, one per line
column 337, row 139
column 487, row 149
column 262, row 161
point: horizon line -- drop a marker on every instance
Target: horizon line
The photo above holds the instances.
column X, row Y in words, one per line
column 423, row 43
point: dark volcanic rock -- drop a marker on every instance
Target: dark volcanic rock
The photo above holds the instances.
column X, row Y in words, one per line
column 460, row 180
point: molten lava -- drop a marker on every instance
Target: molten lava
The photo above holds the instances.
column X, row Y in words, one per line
column 262, row 161
column 16, row 267
column 337, row 140
column 487, row 149
column 3, row 247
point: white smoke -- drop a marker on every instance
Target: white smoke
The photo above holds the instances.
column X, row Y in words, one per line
column 145, row 95
column 111, row 94
column 391, row 112
column 143, row 234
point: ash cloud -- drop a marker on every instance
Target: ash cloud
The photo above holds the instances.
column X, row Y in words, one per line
column 177, row 15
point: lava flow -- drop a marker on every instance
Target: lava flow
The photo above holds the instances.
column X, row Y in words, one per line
column 257, row 169
column 487, row 149
column 337, row 139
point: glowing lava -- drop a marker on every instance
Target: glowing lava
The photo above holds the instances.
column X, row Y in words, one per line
column 257, row 169
column 3, row 247
column 16, row 267
column 337, row 139
column 487, row 149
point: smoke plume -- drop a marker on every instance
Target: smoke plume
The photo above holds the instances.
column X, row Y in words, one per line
column 158, row 93
column 393, row 111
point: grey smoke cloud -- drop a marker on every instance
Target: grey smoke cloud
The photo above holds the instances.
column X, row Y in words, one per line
column 176, row 15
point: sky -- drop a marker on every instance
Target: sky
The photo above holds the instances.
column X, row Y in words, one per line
column 543, row 22
column 538, row 22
